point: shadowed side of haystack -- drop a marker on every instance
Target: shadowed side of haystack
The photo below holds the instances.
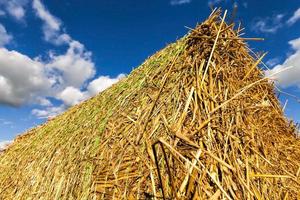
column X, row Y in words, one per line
column 197, row 120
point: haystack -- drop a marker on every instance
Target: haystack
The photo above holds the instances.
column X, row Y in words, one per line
column 197, row 120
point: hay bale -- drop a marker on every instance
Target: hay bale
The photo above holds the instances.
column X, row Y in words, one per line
column 197, row 120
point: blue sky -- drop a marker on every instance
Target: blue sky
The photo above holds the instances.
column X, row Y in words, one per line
column 54, row 54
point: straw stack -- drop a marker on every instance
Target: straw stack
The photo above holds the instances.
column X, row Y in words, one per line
column 197, row 120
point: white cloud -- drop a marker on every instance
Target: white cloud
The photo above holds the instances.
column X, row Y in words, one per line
column 269, row 24
column 64, row 77
column 21, row 78
column 272, row 62
column 101, row 83
column 25, row 80
column 289, row 77
column 5, row 38
column 5, row 122
column 48, row 112
column 15, row 8
column 52, row 25
column 44, row 14
column 4, row 144
column 75, row 66
column 42, row 101
column 71, row 96
column 179, row 2
column 294, row 18
column 16, row 11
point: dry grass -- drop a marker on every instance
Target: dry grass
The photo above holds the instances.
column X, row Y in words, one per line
column 197, row 120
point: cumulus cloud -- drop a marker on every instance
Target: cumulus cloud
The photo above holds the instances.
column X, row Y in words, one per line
column 294, row 18
column 5, row 38
column 43, row 101
column 21, row 78
column 25, row 80
column 101, row 83
column 289, row 77
column 74, row 67
column 67, row 77
column 71, row 96
column 179, row 2
column 268, row 25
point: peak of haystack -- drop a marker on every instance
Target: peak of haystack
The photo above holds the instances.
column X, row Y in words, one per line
column 197, row 120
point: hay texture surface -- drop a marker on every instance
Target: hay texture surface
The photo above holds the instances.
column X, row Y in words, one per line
column 197, row 120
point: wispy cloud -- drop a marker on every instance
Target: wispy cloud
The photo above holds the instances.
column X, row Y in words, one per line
column 15, row 8
column 269, row 24
column 274, row 23
column 179, row 2
column 5, row 37
column 296, row 16
column 48, row 112
column 52, row 26
column 5, row 122
column 272, row 62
